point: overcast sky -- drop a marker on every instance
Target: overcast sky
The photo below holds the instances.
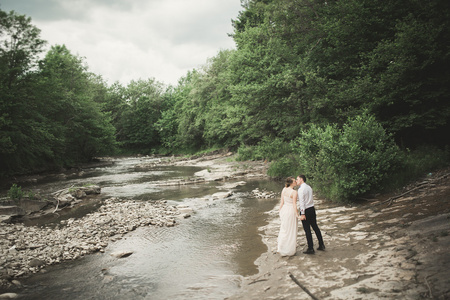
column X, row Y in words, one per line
column 123, row 40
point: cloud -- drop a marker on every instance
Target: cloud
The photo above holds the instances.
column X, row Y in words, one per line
column 125, row 40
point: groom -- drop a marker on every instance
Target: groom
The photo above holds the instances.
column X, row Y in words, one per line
column 308, row 214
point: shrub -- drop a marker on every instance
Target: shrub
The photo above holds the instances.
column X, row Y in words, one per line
column 245, row 152
column 346, row 162
column 268, row 148
column 15, row 192
column 283, row 167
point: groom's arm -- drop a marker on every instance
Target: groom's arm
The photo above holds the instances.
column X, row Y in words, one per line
column 301, row 201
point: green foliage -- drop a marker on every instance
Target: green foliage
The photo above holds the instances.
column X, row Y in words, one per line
column 199, row 114
column 407, row 74
column 267, row 149
column 50, row 113
column 79, row 124
column 349, row 76
column 425, row 159
column 15, row 192
column 344, row 163
column 19, row 48
column 284, row 167
column 31, row 195
column 136, row 112
column 247, row 153
column 420, row 162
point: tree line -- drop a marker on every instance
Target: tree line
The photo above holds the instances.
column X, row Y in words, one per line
column 348, row 92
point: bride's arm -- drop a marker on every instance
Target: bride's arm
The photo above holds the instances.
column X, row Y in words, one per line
column 294, row 202
column 282, row 198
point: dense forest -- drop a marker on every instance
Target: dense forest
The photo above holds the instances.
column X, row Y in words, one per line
column 353, row 93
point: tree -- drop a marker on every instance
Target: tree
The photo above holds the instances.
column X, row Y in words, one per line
column 408, row 75
column 136, row 111
column 20, row 46
column 76, row 97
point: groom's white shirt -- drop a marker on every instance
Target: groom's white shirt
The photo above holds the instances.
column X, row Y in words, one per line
column 305, row 197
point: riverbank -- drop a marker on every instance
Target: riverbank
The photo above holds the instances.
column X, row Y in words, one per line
column 383, row 248
column 393, row 246
column 29, row 249
column 386, row 248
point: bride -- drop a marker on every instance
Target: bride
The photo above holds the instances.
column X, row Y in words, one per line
column 287, row 238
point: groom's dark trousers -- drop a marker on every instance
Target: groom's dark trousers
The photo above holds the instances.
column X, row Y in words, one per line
column 311, row 221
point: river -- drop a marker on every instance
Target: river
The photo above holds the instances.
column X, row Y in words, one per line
column 203, row 257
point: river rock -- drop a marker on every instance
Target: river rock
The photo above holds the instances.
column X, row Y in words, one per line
column 222, row 195
column 65, row 199
column 16, row 282
column 184, row 209
column 78, row 194
column 36, row 262
column 94, row 189
column 263, row 194
column 8, row 296
column 23, row 251
column 121, row 254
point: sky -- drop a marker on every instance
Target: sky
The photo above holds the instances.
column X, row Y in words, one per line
column 124, row 40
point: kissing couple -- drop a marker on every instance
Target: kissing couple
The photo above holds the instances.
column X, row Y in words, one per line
column 289, row 215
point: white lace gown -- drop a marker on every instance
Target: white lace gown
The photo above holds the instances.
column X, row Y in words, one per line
column 287, row 237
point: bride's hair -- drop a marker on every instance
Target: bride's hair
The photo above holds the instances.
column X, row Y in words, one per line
column 289, row 181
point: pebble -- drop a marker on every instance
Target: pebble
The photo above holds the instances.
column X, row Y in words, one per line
column 22, row 251
column 263, row 194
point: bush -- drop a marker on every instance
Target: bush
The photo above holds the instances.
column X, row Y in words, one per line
column 346, row 162
column 15, row 192
column 283, row 167
column 267, row 149
column 245, row 153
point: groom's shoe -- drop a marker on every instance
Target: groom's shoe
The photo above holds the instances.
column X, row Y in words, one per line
column 321, row 248
column 309, row 251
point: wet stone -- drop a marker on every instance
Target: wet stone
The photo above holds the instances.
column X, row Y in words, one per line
column 24, row 253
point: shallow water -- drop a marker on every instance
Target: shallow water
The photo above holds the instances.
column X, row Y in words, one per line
column 203, row 257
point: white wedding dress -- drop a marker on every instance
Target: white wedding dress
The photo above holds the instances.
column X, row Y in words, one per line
column 287, row 238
